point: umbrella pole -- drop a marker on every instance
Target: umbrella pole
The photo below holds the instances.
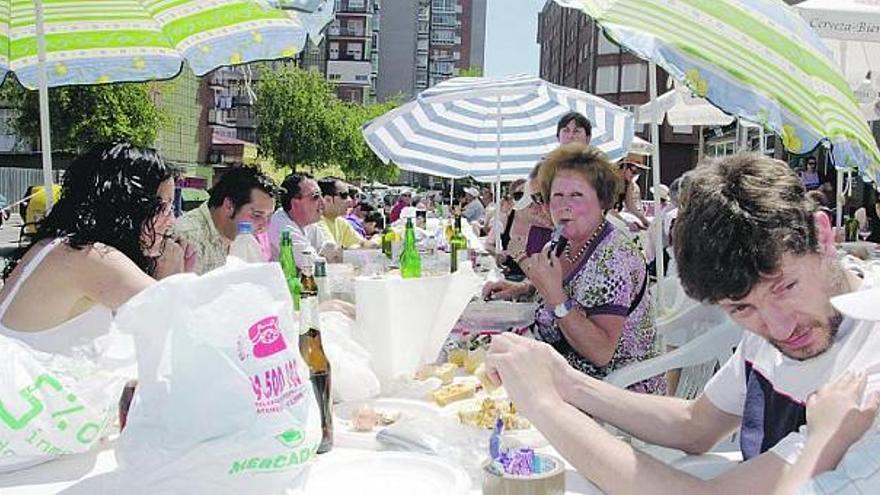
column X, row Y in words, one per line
column 702, row 145
column 839, row 199
column 45, row 134
column 497, row 219
column 655, row 169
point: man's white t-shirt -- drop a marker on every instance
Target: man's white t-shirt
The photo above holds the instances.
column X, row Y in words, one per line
column 311, row 238
column 769, row 390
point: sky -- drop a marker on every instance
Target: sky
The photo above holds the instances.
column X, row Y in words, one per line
column 511, row 30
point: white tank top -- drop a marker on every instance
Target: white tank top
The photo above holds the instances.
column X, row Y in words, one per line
column 78, row 337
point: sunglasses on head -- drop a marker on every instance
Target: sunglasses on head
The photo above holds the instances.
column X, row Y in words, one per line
column 537, row 198
column 517, row 195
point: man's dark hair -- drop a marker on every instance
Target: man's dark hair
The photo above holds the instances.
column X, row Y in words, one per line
column 579, row 121
column 366, row 207
column 328, row 186
column 377, row 218
column 291, row 189
column 738, row 216
column 237, row 185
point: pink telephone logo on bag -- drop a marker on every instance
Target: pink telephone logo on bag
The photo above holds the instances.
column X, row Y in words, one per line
column 266, row 337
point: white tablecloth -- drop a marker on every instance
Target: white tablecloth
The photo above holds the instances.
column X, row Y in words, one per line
column 62, row 473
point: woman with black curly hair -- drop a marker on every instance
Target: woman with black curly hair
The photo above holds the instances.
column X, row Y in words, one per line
column 106, row 239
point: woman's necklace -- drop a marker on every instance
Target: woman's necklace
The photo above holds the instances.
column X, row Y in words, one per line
column 572, row 259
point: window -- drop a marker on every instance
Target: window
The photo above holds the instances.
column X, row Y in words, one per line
column 447, row 37
column 683, row 129
column 354, row 50
column 355, row 27
column 606, row 46
column 334, row 51
column 606, row 80
column 634, row 78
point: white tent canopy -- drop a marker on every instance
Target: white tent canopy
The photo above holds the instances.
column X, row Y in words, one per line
column 851, row 30
column 681, row 108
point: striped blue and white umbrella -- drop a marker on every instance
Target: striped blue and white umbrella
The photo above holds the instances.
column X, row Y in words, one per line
column 492, row 129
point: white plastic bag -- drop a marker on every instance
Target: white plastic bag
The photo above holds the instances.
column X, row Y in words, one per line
column 224, row 403
column 52, row 405
column 353, row 376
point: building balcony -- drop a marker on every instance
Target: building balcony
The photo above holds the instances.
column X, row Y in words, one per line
column 349, row 72
column 344, row 32
column 352, row 7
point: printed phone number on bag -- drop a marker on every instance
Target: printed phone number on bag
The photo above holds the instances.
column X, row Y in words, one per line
column 277, row 388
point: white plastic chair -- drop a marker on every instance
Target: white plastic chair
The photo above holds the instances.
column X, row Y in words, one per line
column 698, row 359
column 711, row 348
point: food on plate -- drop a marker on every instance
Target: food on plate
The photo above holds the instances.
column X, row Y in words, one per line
column 366, row 418
column 457, row 356
column 487, row 383
column 453, row 392
column 489, row 410
column 445, row 372
column 474, row 359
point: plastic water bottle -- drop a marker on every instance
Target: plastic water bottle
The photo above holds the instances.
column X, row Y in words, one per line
column 245, row 246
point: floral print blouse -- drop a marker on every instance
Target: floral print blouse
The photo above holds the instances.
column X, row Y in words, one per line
column 608, row 281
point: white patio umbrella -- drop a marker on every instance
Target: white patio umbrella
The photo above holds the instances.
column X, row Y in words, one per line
column 58, row 43
column 680, row 107
column 850, row 29
column 492, row 129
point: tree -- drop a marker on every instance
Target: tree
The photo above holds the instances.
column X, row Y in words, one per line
column 472, row 71
column 84, row 116
column 358, row 160
column 303, row 123
column 299, row 118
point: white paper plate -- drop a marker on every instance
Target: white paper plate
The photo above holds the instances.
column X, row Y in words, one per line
column 344, row 434
column 388, row 473
column 530, row 437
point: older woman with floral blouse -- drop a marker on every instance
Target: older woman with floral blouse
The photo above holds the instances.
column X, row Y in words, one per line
column 594, row 307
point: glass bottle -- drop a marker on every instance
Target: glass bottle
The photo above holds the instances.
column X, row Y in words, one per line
column 312, row 351
column 458, row 248
column 388, row 238
column 410, row 259
column 288, row 266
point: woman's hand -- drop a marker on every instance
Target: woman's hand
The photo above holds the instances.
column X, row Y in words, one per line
column 544, row 271
column 835, row 412
column 177, row 257
column 505, row 290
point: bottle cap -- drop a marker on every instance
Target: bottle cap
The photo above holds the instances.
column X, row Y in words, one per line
column 245, row 228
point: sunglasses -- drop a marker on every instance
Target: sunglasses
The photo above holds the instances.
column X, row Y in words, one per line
column 537, row 198
column 343, row 194
column 518, row 195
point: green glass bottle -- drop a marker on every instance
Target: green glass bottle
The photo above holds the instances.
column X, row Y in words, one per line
column 388, row 238
column 851, row 226
column 288, row 266
column 410, row 259
column 457, row 246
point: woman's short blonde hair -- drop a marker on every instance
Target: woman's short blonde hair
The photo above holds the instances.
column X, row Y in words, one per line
column 588, row 161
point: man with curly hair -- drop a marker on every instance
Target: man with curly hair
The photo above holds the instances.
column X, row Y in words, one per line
column 747, row 239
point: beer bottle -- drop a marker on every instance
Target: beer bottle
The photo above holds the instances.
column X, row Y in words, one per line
column 312, row 352
column 308, row 282
column 458, row 247
column 388, row 238
column 288, row 266
column 410, row 259
column 321, row 279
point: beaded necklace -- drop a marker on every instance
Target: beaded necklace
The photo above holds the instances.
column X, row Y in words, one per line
column 572, row 259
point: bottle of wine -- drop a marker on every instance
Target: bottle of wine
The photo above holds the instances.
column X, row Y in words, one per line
column 410, row 259
column 312, row 352
column 288, row 266
column 388, row 238
column 458, row 248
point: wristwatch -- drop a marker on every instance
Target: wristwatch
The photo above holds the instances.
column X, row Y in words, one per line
column 561, row 310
